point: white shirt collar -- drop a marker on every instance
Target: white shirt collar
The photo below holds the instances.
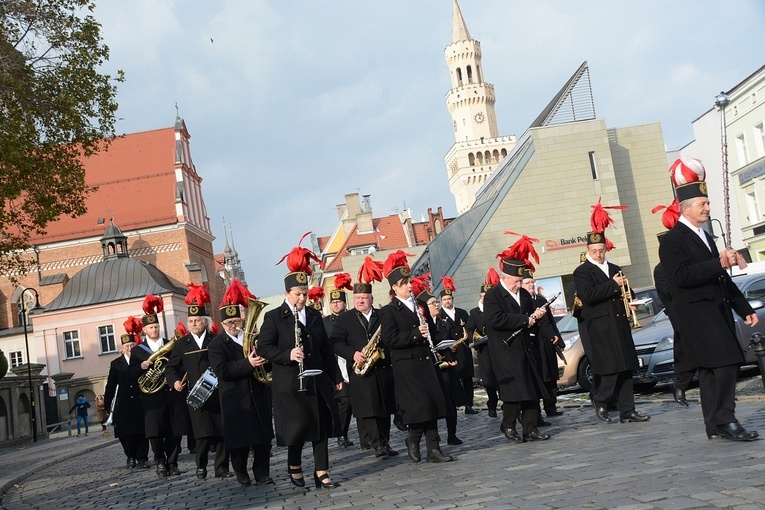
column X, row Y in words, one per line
column 450, row 313
column 199, row 339
column 301, row 313
column 603, row 267
column 516, row 296
column 408, row 302
column 238, row 338
column 154, row 345
column 698, row 230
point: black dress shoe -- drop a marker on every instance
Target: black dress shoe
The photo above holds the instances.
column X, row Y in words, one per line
column 735, row 432
column 541, row 422
column 161, row 469
column 130, row 463
column 343, row 442
column 201, row 473
column 142, row 464
column 679, row 395
column 513, row 435
column 436, row 455
column 223, row 474
column 381, row 451
column 243, row 478
column 602, row 414
column 264, row 480
column 298, row 482
column 535, row 435
column 634, row 416
column 323, row 481
column 470, row 410
column 553, row 412
column 173, row 471
column 714, row 436
column 400, row 426
column 365, row 446
column 391, row 452
column 454, row 440
column 492, row 413
column 413, row 451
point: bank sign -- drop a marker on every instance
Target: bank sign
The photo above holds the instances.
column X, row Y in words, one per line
column 563, row 243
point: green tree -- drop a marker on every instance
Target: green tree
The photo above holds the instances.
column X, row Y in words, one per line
column 55, row 108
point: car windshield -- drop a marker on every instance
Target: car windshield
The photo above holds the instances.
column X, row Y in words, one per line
column 568, row 324
column 661, row 316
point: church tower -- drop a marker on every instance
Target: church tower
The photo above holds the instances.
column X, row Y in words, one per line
column 478, row 149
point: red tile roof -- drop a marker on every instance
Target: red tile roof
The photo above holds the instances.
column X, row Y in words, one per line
column 388, row 234
column 136, row 186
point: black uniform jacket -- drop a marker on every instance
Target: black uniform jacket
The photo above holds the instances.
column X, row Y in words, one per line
column 547, row 356
column 419, row 394
column 608, row 342
column 128, row 412
column 665, row 294
column 703, row 296
column 245, row 402
column 516, row 366
column 297, row 414
column 477, row 324
column 187, row 358
column 371, row 395
column 329, row 324
column 165, row 411
column 454, row 330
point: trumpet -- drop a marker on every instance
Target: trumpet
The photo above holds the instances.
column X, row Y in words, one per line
column 254, row 308
column 626, row 299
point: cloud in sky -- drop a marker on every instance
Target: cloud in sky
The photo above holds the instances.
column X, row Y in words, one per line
column 294, row 104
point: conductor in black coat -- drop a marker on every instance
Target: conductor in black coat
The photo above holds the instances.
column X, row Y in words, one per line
column 703, row 297
column 309, row 415
column 190, row 358
column 509, row 310
column 372, row 397
column 609, row 345
column 245, row 401
column 476, row 327
column 419, row 395
column 122, row 384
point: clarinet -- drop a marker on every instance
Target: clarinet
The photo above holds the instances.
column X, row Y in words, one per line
column 299, row 344
column 519, row 331
column 440, row 364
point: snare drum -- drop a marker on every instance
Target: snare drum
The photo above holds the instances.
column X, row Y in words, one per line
column 202, row 390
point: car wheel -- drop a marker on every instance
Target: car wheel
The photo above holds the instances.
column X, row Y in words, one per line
column 584, row 374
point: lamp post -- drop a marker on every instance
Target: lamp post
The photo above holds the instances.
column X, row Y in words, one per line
column 721, row 102
column 24, row 321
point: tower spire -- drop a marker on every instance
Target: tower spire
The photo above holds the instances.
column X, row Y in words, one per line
column 459, row 28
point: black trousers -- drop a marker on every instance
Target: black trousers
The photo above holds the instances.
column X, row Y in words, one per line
column 320, row 455
column 344, row 408
column 684, row 379
column 616, row 389
column 718, row 395
column 467, row 386
column 365, row 438
column 166, row 449
column 528, row 410
column 221, row 455
column 493, row 398
column 430, row 429
column 552, row 399
column 135, row 447
column 377, row 430
column 260, row 461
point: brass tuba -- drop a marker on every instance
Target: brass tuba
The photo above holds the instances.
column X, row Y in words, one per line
column 153, row 380
column 254, row 309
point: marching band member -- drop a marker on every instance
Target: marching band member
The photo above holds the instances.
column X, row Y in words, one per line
column 371, row 393
column 477, row 324
column 122, row 384
column 245, row 401
column 189, row 358
column 165, row 410
column 512, row 326
column 419, row 397
column 293, row 337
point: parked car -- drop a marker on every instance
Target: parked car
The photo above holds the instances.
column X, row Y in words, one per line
column 577, row 369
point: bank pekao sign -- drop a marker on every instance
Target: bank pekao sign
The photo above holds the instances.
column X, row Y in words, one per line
column 563, row 243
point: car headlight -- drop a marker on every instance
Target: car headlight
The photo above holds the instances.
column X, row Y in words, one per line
column 570, row 343
column 665, row 344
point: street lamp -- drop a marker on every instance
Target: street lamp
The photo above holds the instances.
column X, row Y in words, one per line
column 23, row 310
column 721, row 102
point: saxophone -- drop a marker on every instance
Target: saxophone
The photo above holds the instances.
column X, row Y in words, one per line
column 153, row 380
column 373, row 353
column 463, row 339
column 254, row 309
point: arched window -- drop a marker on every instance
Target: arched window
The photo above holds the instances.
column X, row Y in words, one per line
column 495, row 155
column 504, row 153
column 471, row 159
column 480, row 158
column 470, row 74
column 487, row 156
column 459, row 77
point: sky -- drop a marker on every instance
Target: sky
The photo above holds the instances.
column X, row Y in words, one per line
column 292, row 104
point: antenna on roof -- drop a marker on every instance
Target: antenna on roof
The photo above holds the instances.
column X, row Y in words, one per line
column 177, row 113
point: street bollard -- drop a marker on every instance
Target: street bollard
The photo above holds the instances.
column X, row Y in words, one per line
column 758, row 344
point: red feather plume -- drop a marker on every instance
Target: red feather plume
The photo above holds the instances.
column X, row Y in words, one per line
column 600, row 219
column 153, row 304
column 449, row 283
column 370, row 271
column 523, row 249
column 180, row 328
column 343, row 281
column 609, row 245
column 492, row 277
column 396, row 259
column 671, row 213
column 197, row 295
column 299, row 258
column 214, row 329
column 419, row 285
column 134, row 327
column 316, row 293
column 237, row 294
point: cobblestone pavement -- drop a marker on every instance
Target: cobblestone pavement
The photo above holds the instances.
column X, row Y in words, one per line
column 666, row 463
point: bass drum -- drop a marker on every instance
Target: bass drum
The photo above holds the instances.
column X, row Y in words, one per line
column 202, row 390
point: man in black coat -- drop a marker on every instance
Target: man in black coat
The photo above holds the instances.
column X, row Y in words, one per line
column 608, row 341
column 337, row 304
column 476, row 326
column 513, row 327
column 165, row 410
column 703, row 296
column 122, row 384
column 454, row 328
column 245, row 401
column 190, row 358
column 372, row 397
